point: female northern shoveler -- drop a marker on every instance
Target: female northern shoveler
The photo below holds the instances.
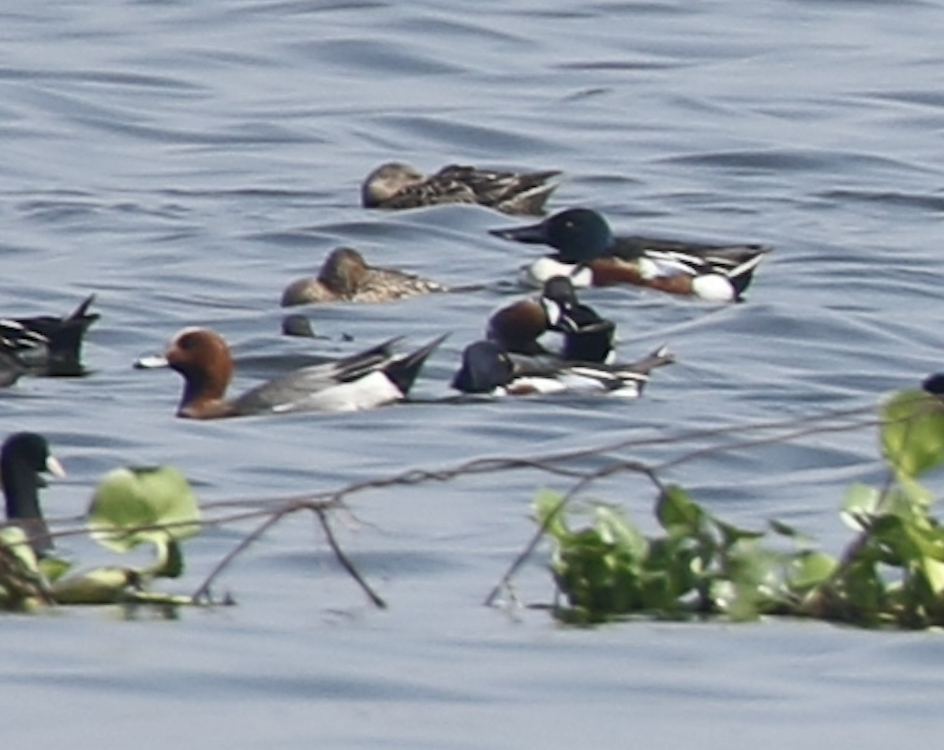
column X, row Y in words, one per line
column 370, row 378
column 346, row 276
column 489, row 369
column 397, row 185
column 590, row 254
column 587, row 337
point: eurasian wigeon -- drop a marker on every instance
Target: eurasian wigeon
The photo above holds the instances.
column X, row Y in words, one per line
column 370, row 378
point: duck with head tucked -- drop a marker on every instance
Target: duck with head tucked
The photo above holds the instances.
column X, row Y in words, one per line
column 587, row 337
column 488, row 369
column 373, row 377
column 24, row 456
column 396, row 185
column 44, row 344
column 589, row 253
column 346, row 277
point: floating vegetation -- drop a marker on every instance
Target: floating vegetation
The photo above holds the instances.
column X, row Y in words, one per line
column 890, row 574
column 603, row 566
column 131, row 506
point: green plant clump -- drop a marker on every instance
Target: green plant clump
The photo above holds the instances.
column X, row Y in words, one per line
column 131, row 506
column 890, row 574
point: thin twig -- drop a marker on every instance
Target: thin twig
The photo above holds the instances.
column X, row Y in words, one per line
column 345, row 561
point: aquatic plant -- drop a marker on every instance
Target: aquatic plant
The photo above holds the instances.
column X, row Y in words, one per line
column 603, row 566
column 890, row 574
column 131, row 506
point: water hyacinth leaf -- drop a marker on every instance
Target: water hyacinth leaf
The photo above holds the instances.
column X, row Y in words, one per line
column 549, row 511
column 914, row 494
column 912, row 432
column 860, row 504
column 106, row 585
column 170, row 560
column 15, row 543
column 130, row 502
column 615, row 529
column 810, row 569
column 21, row 585
column 678, row 513
column 54, row 568
column 934, row 574
column 733, row 534
column 784, row 529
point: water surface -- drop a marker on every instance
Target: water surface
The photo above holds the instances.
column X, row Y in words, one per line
column 185, row 161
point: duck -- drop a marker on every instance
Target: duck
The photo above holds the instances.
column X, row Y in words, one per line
column 396, row 185
column 346, row 276
column 44, row 344
column 23, row 457
column 373, row 377
column 591, row 255
column 488, row 369
column 587, row 337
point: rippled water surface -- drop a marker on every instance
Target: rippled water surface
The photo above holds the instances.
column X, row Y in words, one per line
column 185, row 160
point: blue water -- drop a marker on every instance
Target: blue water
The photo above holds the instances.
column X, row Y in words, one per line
column 186, row 160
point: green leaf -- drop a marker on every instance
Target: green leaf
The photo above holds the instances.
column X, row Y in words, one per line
column 548, row 509
column 731, row 535
column 170, row 560
column 810, row 569
column 106, row 585
column 860, row 504
column 913, row 432
column 133, row 505
column 54, row 568
column 615, row 529
column 678, row 513
column 15, row 541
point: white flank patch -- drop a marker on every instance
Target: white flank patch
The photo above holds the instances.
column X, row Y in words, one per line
column 543, row 269
column 714, row 287
column 372, row 390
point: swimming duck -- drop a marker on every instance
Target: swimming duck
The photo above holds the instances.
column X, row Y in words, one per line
column 397, row 185
column 346, row 276
column 590, row 254
column 364, row 380
column 587, row 337
column 44, row 344
column 489, row 369
column 23, row 456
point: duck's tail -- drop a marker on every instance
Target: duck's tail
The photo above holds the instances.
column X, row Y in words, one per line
column 403, row 371
column 530, row 193
column 639, row 370
column 742, row 274
column 658, row 358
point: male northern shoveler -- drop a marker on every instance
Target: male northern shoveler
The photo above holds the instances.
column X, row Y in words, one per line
column 588, row 252
column 489, row 369
column 44, row 344
column 396, row 185
column 23, row 456
column 370, row 378
column 346, row 276
column 587, row 337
